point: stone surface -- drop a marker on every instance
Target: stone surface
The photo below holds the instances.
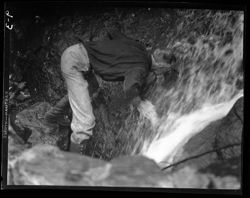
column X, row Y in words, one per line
column 225, row 133
column 28, row 124
column 47, row 165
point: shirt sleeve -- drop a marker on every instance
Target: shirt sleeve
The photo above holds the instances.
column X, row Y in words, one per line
column 134, row 79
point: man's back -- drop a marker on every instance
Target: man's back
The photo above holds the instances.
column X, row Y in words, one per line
column 113, row 58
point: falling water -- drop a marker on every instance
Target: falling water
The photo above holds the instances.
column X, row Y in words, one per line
column 209, row 84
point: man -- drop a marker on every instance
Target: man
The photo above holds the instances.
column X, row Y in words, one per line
column 117, row 58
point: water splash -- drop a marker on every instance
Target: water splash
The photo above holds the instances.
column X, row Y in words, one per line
column 183, row 128
column 210, row 82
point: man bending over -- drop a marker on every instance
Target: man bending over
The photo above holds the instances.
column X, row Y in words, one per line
column 116, row 58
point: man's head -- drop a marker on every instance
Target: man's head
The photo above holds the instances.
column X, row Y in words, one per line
column 162, row 58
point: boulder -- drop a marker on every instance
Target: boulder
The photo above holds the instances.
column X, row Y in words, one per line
column 47, row 165
column 218, row 145
column 29, row 125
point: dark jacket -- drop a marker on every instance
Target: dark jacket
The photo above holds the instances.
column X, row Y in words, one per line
column 120, row 58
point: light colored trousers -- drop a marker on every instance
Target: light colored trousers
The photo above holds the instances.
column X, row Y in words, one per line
column 74, row 61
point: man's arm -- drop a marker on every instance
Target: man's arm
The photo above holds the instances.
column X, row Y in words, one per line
column 133, row 82
column 134, row 79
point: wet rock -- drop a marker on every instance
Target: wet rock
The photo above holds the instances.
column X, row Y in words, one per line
column 16, row 145
column 230, row 132
column 191, row 178
column 47, row 165
column 32, row 120
column 223, row 168
column 217, row 143
column 20, row 132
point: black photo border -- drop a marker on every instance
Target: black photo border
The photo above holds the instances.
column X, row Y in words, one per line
column 195, row 4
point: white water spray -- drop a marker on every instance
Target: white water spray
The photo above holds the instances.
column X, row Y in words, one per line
column 206, row 92
column 184, row 128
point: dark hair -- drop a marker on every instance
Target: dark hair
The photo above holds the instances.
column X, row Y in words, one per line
column 170, row 58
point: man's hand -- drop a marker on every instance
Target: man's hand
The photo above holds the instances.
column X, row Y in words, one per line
column 96, row 93
column 136, row 101
column 147, row 110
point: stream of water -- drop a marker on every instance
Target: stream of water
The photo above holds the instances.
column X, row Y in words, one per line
column 207, row 88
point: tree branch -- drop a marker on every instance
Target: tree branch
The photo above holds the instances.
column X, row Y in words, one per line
column 237, row 115
column 205, row 153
